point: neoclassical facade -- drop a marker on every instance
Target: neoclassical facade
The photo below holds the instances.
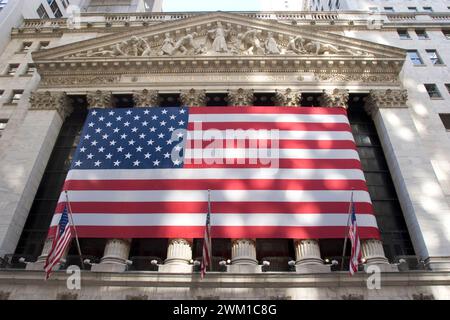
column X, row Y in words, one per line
column 235, row 60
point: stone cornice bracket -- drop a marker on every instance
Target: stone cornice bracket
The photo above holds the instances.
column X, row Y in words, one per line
column 334, row 98
column 240, row 97
column 51, row 101
column 146, row 98
column 288, row 98
column 386, row 99
column 99, row 99
column 193, row 98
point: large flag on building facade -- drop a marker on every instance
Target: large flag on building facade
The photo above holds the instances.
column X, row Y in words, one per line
column 274, row 172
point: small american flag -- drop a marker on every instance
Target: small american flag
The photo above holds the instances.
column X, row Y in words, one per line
column 206, row 257
column 60, row 243
column 355, row 257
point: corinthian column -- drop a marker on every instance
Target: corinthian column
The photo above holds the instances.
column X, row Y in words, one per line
column 288, row 98
column 179, row 255
column 240, row 97
column 243, row 256
column 146, row 98
column 334, row 98
column 307, row 257
column 115, row 256
column 99, row 99
column 193, row 98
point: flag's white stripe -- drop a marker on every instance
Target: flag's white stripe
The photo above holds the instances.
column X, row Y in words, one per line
column 231, row 220
column 269, row 117
column 239, row 153
column 217, row 195
column 270, row 134
column 218, row 173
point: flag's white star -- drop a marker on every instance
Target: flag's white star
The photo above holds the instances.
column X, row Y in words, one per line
column 128, row 156
column 129, row 112
column 119, row 118
column 87, row 137
column 164, row 111
column 105, row 136
column 78, row 163
column 94, row 113
column 91, row 125
column 119, row 149
column 131, row 142
column 154, row 117
column 111, row 113
column 163, row 123
column 124, row 136
column 161, row 135
column 112, row 143
column 90, row 156
column 142, row 136
column 139, row 149
column 136, row 163
column 109, row 124
column 126, row 124
column 116, row 163
column 98, row 130
column 97, row 163
column 177, row 162
column 134, row 130
column 137, row 117
column 181, row 123
column 152, row 129
column 116, row 130
column 94, row 143
column 182, row 111
column 167, row 155
column 101, row 149
column 146, row 112
column 178, row 148
column 101, row 118
column 144, row 124
column 158, row 148
column 156, row 163
column 109, row 156
column 172, row 117
column 171, row 129
column 169, row 141
column 83, row 149
column 147, row 155
column 150, row 142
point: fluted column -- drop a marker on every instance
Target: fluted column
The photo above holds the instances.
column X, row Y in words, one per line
column 40, row 262
column 179, row 255
column 240, row 97
column 334, row 98
column 307, row 257
column 115, row 256
column 146, row 98
column 193, row 98
column 99, row 99
column 288, row 98
column 243, row 256
column 373, row 252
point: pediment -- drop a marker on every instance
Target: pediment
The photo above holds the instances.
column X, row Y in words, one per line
column 220, row 36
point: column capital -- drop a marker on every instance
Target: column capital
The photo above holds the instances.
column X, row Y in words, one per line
column 179, row 255
column 240, row 97
column 334, row 98
column 288, row 98
column 193, row 98
column 386, row 99
column 146, row 98
column 51, row 101
column 115, row 256
column 99, row 99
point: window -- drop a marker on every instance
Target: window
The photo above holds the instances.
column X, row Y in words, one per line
column 434, row 57
column 432, row 90
column 445, row 117
column 16, row 96
column 428, row 9
column 42, row 13
column 3, row 4
column 12, row 69
column 447, row 85
column 446, row 33
column 422, row 34
column 403, row 34
column 3, row 123
column 26, row 46
column 55, row 9
column 415, row 57
column 412, row 9
column 43, row 45
column 31, row 69
column 389, row 9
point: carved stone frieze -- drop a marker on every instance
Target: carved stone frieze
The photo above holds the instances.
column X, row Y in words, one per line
column 334, row 98
column 385, row 99
column 51, row 101
column 99, row 99
column 193, row 98
column 146, row 98
column 288, row 98
column 357, row 77
column 82, row 80
column 240, row 97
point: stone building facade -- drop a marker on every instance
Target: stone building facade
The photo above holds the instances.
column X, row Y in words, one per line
column 342, row 59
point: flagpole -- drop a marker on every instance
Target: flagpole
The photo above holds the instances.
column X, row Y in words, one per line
column 74, row 229
column 346, row 230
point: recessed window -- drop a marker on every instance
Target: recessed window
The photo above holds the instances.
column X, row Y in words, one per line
column 55, row 9
column 26, row 46
column 403, row 34
column 389, row 9
column 447, row 85
column 16, row 96
column 445, row 117
column 434, row 57
column 3, row 123
column 43, row 45
column 433, row 90
column 446, row 33
column 415, row 57
column 412, row 9
column 31, row 69
column 12, row 69
column 42, row 13
column 422, row 34
column 428, row 9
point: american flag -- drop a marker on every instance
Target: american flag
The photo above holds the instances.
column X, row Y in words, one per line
column 60, row 242
column 207, row 247
column 353, row 234
column 143, row 172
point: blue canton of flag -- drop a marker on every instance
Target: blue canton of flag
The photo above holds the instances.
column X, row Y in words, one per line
column 138, row 138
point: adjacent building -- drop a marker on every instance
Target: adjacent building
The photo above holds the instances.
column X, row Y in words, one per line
column 389, row 71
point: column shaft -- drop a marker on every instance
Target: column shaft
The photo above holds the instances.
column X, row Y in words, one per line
column 115, row 256
column 307, row 257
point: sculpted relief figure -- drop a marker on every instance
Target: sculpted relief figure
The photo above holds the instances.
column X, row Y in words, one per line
column 249, row 43
column 135, row 47
column 295, row 45
column 167, row 47
column 186, row 44
column 219, row 36
column 271, row 45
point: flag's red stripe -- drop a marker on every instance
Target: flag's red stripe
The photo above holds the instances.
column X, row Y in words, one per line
column 290, row 126
column 222, row 207
column 280, row 144
column 222, row 232
column 274, row 163
column 265, row 110
column 219, row 184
